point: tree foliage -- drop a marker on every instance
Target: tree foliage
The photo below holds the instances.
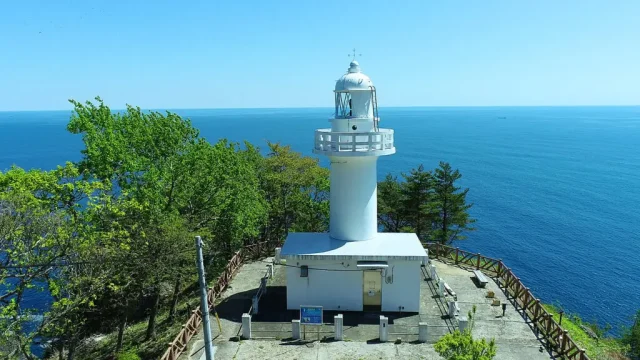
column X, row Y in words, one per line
column 450, row 205
column 110, row 234
column 169, row 183
column 297, row 192
column 40, row 236
column 631, row 337
column 428, row 203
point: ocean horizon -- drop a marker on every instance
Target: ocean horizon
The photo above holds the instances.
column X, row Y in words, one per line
column 555, row 188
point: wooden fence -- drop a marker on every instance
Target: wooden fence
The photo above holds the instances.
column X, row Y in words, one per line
column 192, row 326
column 557, row 339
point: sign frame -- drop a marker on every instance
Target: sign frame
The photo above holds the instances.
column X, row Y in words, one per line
column 308, row 315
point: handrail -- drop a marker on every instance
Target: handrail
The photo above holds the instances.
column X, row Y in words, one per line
column 558, row 340
column 342, row 141
column 191, row 327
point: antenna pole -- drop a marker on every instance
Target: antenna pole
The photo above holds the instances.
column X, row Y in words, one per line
column 204, row 303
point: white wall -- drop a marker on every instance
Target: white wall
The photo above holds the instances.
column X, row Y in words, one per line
column 334, row 290
column 405, row 289
column 353, row 199
column 342, row 290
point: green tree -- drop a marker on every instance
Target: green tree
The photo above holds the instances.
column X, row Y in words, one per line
column 461, row 345
column 418, row 201
column 450, row 204
column 40, row 235
column 168, row 183
column 296, row 189
column 141, row 155
column 631, row 337
column 428, row 203
column 391, row 212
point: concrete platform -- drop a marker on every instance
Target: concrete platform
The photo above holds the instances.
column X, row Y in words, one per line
column 271, row 328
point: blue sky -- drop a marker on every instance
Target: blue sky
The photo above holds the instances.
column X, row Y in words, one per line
column 228, row 54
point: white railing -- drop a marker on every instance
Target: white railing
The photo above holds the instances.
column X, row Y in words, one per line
column 328, row 141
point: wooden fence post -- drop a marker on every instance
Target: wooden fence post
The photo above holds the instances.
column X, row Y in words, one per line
column 478, row 262
column 548, row 319
column 499, row 268
column 525, row 301
column 457, row 252
column 565, row 334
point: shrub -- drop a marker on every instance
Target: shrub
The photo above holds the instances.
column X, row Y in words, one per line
column 632, row 337
column 129, row 355
column 461, row 345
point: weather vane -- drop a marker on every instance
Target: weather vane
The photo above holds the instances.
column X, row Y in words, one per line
column 354, row 54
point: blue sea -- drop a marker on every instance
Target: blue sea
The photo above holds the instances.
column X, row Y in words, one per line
column 556, row 190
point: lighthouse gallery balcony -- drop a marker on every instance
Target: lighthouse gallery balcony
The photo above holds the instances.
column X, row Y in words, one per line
column 334, row 143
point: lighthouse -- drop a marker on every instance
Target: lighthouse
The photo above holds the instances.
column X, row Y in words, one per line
column 354, row 267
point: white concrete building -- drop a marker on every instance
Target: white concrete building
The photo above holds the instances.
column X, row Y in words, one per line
column 354, row 267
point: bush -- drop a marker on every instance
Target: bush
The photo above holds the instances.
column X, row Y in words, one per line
column 632, row 337
column 462, row 346
column 129, row 355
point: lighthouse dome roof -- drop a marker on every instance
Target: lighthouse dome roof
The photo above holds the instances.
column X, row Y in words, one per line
column 353, row 80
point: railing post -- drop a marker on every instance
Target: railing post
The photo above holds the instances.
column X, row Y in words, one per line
column 457, row 252
column 516, row 292
column 499, row 268
column 582, row 356
column 525, row 301
column 565, row 334
column 478, row 262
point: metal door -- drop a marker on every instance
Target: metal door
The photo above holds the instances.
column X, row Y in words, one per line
column 372, row 288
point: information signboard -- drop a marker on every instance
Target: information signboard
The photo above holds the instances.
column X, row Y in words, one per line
column 310, row 315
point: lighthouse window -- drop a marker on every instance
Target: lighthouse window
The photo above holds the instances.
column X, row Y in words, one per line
column 354, row 127
column 304, row 271
column 343, row 105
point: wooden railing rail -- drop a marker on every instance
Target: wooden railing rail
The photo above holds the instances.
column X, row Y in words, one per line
column 191, row 327
column 558, row 340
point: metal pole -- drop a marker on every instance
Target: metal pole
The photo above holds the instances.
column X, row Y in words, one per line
column 204, row 303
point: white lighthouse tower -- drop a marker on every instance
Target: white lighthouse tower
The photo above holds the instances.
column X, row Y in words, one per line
column 353, row 267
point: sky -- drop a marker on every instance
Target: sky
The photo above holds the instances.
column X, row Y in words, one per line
column 252, row 54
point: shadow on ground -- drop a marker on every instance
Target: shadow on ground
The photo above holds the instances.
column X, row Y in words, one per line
column 273, row 308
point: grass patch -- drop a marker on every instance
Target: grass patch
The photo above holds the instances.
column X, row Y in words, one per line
column 603, row 348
